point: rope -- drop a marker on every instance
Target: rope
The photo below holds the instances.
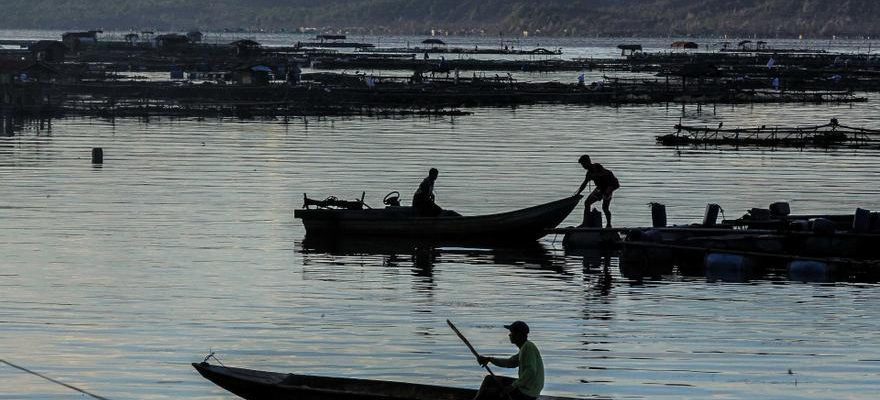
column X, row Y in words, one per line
column 210, row 356
column 52, row 380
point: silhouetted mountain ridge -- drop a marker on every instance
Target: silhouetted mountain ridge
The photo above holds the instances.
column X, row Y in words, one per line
column 766, row 18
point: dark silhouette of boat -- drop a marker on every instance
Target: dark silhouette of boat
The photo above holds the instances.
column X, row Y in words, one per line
column 262, row 385
column 397, row 221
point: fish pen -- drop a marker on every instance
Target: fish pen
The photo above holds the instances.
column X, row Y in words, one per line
column 359, row 94
column 832, row 134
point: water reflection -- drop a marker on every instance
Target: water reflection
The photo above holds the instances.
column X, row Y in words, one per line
column 422, row 256
column 11, row 125
column 598, row 282
column 597, row 274
column 638, row 264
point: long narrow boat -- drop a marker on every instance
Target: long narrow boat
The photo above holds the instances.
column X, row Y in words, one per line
column 263, row 385
column 520, row 225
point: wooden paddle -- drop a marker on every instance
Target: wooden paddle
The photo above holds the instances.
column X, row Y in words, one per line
column 477, row 355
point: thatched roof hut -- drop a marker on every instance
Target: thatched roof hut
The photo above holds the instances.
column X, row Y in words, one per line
column 632, row 48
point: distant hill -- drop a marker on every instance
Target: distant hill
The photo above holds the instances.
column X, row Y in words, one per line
column 765, row 18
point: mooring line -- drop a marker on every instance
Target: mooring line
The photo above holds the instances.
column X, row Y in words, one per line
column 52, row 380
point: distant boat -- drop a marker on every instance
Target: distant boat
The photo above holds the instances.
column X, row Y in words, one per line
column 520, row 225
column 328, row 40
column 434, row 41
column 262, row 385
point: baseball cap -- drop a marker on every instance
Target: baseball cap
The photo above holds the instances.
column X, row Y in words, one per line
column 518, row 326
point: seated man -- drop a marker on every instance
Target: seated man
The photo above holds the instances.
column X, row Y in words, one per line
column 423, row 199
column 530, row 380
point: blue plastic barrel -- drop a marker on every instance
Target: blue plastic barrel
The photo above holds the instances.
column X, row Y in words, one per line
column 725, row 261
column 728, row 267
column 810, row 270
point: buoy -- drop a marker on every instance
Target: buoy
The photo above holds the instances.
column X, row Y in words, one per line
column 97, row 155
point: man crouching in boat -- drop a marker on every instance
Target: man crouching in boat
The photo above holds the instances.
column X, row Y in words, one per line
column 606, row 184
column 423, row 199
column 530, row 382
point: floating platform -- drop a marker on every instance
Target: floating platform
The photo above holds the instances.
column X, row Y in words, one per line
column 613, row 238
column 832, row 134
column 804, row 247
column 467, row 50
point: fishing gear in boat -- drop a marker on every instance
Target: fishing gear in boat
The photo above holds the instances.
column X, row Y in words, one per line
column 392, row 199
column 332, row 202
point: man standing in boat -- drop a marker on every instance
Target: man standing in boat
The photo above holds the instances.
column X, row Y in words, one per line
column 423, row 199
column 606, row 183
column 530, row 380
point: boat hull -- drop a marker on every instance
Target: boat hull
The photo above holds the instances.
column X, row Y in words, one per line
column 263, row 385
column 520, row 225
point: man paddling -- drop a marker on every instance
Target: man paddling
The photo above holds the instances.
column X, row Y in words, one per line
column 606, row 183
column 530, row 379
column 423, row 199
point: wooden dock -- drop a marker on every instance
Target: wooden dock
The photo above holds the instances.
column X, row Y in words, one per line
column 817, row 247
column 612, row 238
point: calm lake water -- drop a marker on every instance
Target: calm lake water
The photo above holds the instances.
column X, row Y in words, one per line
column 114, row 278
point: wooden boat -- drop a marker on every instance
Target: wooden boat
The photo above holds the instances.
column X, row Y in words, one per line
column 520, row 225
column 262, row 385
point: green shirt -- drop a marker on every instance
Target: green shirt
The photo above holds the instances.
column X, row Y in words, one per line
column 531, row 369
